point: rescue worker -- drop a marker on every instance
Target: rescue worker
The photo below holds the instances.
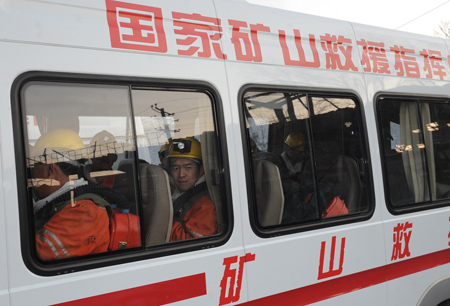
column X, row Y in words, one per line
column 163, row 155
column 293, row 159
column 291, row 163
column 104, row 146
column 71, row 217
column 194, row 212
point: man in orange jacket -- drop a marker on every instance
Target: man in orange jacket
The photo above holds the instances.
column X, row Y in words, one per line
column 194, row 212
column 71, row 219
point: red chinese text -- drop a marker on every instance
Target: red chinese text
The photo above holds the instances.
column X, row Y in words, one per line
column 247, row 46
column 315, row 63
column 374, row 57
column 335, row 46
column 402, row 237
column 232, row 278
column 404, row 63
column 433, row 64
column 331, row 271
column 201, row 35
column 136, row 27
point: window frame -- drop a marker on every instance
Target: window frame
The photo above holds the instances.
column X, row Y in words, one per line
column 414, row 207
column 27, row 236
column 279, row 230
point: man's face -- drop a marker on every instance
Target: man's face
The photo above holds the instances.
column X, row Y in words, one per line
column 44, row 183
column 296, row 156
column 186, row 173
column 104, row 162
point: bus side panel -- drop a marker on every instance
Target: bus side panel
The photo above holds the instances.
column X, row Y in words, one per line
column 287, row 268
column 423, row 256
column 4, row 291
column 139, row 276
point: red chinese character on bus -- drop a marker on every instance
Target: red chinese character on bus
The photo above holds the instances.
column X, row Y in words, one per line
column 331, row 270
column 201, row 34
column 374, row 57
column 404, row 63
column 302, row 61
column 433, row 63
column 335, row 46
column 136, row 27
column 232, row 278
column 402, row 236
column 246, row 45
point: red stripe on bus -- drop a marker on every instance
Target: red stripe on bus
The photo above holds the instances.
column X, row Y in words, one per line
column 353, row 282
column 162, row 293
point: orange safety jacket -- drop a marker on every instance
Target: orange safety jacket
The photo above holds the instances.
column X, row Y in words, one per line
column 78, row 229
column 198, row 221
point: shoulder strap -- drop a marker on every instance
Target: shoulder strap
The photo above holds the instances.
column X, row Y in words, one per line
column 179, row 214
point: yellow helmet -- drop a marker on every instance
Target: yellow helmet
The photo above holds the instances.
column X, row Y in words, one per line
column 187, row 147
column 296, row 140
column 59, row 145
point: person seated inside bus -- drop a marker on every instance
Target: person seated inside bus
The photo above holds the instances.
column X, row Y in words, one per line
column 104, row 147
column 194, row 213
column 291, row 163
column 293, row 159
column 163, row 155
column 71, row 216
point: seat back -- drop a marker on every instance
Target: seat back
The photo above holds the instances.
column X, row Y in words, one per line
column 156, row 199
column 211, row 167
column 340, row 174
column 269, row 192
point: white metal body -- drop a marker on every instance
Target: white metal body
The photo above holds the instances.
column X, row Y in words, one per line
column 73, row 36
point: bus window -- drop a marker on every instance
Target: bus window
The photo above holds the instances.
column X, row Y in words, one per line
column 171, row 120
column 413, row 135
column 96, row 152
column 309, row 160
column 75, row 136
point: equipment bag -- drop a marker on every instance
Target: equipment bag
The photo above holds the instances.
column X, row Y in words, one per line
column 335, row 208
column 124, row 231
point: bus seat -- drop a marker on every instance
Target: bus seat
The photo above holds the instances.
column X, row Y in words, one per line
column 269, row 192
column 211, row 167
column 341, row 173
column 156, row 199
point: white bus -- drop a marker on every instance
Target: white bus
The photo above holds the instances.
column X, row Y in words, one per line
column 367, row 109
